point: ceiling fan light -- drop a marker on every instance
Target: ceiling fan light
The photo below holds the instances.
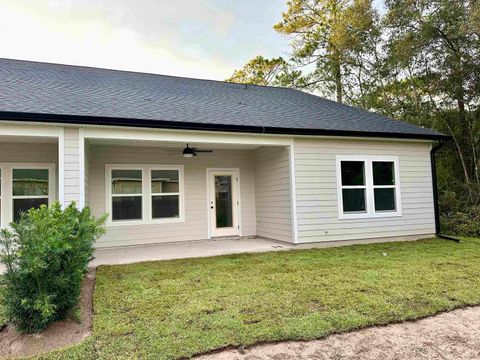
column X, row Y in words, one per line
column 188, row 152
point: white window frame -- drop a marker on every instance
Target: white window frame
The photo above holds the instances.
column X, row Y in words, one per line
column 7, row 188
column 369, row 187
column 146, row 194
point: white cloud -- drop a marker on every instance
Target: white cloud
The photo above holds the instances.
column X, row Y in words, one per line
column 146, row 35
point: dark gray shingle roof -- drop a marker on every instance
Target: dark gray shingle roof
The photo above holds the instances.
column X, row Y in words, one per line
column 92, row 95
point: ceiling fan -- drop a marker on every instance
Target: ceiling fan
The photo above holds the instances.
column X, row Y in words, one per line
column 189, row 152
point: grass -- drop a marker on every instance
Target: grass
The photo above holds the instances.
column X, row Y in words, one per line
column 178, row 308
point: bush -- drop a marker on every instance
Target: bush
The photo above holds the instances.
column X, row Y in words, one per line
column 462, row 223
column 46, row 257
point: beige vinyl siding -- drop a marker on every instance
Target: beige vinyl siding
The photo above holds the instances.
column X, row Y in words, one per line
column 316, row 190
column 71, row 165
column 195, row 226
column 272, row 193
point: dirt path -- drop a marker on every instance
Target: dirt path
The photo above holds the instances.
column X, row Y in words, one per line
column 57, row 335
column 454, row 335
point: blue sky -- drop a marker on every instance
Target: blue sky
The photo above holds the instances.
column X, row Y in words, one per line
column 196, row 38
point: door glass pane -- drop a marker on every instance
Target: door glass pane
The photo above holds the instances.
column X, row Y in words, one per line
column 165, row 206
column 126, row 181
column 164, row 181
column 30, row 182
column 23, row 205
column 384, row 199
column 353, row 173
column 353, row 200
column 223, row 201
column 383, row 173
column 127, row 208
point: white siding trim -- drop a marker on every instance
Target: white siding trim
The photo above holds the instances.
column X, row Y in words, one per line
column 293, row 193
column 61, row 166
column 81, row 169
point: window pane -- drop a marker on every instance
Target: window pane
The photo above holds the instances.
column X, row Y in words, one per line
column 384, row 199
column 126, row 181
column 23, row 205
column 353, row 200
column 165, row 181
column 30, row 182
column 223, row 201
column 165, row 206
column 127, row 208
column 383, row 173
column 353, row 173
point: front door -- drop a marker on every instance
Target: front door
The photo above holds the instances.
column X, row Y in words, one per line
column 223, row 202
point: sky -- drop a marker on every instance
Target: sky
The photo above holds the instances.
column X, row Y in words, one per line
column 206, row 39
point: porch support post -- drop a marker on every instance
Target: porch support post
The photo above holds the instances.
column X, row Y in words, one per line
column 69, row 167
column 293, row 192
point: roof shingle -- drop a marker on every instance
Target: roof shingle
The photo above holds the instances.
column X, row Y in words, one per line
column 105, row 96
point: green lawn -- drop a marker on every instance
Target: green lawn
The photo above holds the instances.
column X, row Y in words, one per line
column 171, row 309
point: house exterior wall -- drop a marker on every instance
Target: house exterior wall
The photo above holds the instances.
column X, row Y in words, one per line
column 195, row 226
column 316, row 190
column 272, row 193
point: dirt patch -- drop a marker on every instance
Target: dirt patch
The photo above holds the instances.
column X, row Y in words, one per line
column 454, row 335
column 57, row 335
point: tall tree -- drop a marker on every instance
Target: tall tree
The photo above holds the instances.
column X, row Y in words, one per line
column 330, row 35
column 434, row 46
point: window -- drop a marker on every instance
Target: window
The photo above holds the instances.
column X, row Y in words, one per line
column 368, row 186
column 144, row 194
column 353, row 186
column 165, row 194
column 24, row 186
column 30, row 190
column 127, row 192
column 384, row 185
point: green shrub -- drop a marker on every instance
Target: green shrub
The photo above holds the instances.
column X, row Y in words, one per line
column 462, row 223
column 46, row 256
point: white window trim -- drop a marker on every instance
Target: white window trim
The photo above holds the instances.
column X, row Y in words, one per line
column 146, row 194
column 369, row 187
column 7, row 188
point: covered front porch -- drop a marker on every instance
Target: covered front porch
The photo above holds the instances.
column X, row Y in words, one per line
column 154, row 194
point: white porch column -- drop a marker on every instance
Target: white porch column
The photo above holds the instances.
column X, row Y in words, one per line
column 71, row 167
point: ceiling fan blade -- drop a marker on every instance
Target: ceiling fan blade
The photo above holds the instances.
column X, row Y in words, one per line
column 202, row 151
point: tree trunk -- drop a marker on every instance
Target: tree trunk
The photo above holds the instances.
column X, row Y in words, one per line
column 338, row 80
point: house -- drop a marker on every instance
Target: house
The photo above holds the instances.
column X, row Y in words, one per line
column 174, row 159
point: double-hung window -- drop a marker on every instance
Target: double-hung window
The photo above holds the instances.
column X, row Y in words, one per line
column 165, row 194
column 30, row 189
column 127, row 194
column 368, row 186
column 144, row 194
column 24, row 186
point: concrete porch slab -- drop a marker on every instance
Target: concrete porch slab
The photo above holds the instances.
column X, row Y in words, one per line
column 183, row 250
column 205, row 248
